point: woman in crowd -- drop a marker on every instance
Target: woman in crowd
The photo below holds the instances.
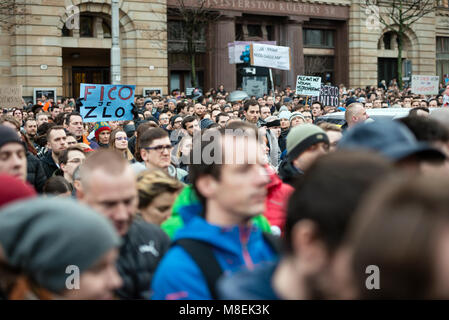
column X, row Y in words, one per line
column 119, row 142
column 157, row 193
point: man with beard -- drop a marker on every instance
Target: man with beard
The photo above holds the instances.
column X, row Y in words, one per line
column 31, row 130
column 56, row 143
column 314, row 231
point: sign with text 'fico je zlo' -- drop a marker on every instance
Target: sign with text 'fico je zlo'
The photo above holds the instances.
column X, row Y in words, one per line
column 106, row 102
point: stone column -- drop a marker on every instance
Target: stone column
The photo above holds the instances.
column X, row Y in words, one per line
column 293, row 39
column 220, row 71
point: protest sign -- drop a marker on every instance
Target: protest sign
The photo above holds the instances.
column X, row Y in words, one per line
column 255, row 86
column 147, row 92
column 11, row 97
column 264, row 55
column 236, row 48
column 329, row 96
column 427, row 85
column 106, row 102
column 308, row 86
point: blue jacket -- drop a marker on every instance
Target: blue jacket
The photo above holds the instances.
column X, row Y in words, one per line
column 178, row 276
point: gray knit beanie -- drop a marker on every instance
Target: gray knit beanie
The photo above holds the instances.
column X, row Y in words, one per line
column 43, row 236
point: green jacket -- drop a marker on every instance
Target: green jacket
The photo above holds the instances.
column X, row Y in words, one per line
column 188, row 197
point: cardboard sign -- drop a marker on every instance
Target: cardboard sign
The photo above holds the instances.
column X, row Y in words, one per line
column 329, row 96
column 308, row 86
column 427, row 85
column 276, row 57
column 106, row 102
column 11, row 97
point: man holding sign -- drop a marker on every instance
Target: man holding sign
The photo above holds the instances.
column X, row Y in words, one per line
column 106, row 102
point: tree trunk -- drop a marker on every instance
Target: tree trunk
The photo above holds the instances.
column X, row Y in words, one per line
column 400, row 37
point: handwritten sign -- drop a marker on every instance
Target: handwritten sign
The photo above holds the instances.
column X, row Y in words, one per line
column 11, row 97
column 427, row 85
column 308, row 86
column 276, row 57
column 106, row 102
column 329, row 96
column 236, row 48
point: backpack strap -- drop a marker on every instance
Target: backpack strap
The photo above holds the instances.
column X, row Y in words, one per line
column 201, row 252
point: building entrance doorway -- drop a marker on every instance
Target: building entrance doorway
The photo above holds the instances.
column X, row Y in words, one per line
column 82, row 65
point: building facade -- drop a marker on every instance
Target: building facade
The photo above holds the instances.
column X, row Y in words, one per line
column 334, row 39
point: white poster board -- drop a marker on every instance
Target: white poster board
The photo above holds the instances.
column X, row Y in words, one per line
column 148, row 91
column 276, row 57
column 308, row 86
column 236, row 48
column 50, row 93
column 255, row 86
column 427, row 85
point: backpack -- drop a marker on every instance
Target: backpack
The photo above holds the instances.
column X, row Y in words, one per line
column 202, row 253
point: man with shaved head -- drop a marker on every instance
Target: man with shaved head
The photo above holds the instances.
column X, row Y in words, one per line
column 355, row 113
column 108, row 185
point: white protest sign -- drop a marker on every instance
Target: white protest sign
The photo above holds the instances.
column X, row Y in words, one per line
column 11, row 97
column 426, row 85
column 308, row 86
column 264, row 55
column 236, row 48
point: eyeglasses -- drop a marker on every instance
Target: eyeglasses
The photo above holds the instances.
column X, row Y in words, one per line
column 160, row 148
column 121, row 138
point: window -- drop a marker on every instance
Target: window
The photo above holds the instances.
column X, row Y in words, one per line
column 387, row 41
column 442, row 45
column 86, row 26
column 318, row 38
column 254, row 30
column 66, row 32
column 106, row 30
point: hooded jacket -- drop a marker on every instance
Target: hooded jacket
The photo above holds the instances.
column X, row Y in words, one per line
column 277, row 199
column 234, row 247
column 188, row 197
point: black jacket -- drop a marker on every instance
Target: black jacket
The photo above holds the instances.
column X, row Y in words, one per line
column 35, row 172
column 142, row 249
column 48, row 164
column 288, row 173
column 283, row 140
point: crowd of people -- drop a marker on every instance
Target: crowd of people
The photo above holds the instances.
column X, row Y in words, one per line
column 208, row 197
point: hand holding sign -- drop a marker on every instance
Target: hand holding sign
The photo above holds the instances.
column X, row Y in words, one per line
column 106, row 102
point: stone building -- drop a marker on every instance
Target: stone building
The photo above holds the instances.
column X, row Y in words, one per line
column 330, row 38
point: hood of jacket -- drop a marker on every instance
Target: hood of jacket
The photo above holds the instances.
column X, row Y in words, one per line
column 288, row 172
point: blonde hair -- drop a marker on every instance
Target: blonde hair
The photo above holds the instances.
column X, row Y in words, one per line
column 153, row 183
column 183, row 141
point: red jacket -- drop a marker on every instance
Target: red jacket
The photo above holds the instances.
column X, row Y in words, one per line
column 277, row 200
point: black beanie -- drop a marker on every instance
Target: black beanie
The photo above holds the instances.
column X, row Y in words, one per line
column 8, row 135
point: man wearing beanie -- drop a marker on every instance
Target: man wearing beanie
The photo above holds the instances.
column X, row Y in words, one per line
column 305, row 144
column 13, row 159
column 14, row 189
column 102, row 135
